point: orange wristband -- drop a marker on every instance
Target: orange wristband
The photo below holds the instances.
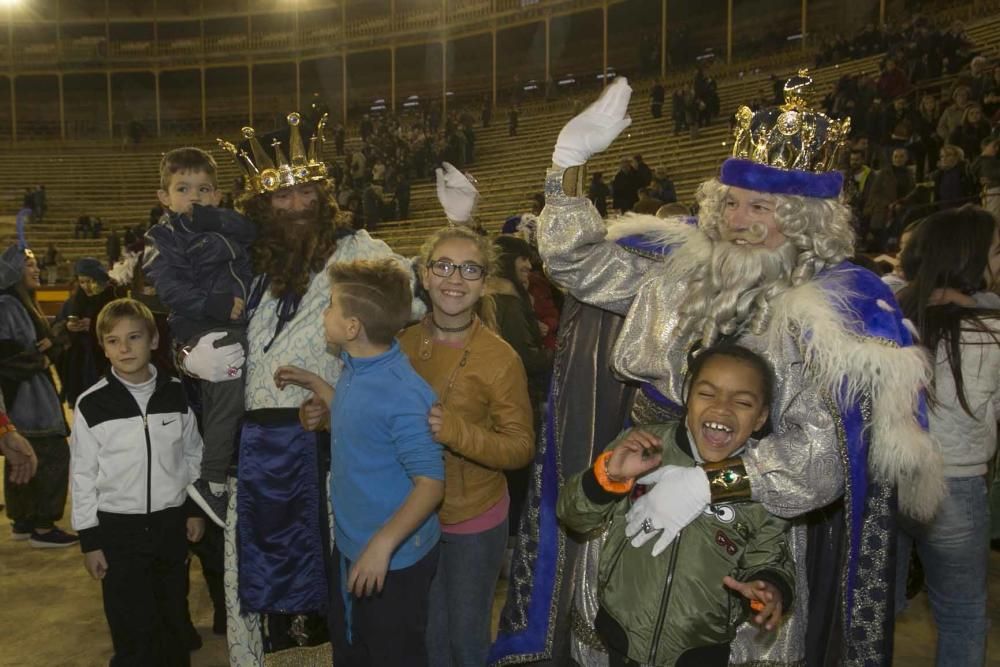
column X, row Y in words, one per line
column 608, row 484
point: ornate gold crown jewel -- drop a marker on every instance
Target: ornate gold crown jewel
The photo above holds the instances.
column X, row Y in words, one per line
column 264, row 172
column 791, row 136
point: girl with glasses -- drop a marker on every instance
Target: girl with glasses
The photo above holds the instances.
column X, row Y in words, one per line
column 484, row 419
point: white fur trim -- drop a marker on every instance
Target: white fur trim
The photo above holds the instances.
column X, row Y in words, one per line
column 900, row 452
column 693, row 245
column 124, row 269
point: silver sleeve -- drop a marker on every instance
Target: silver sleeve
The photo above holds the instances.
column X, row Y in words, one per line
column 572, row 240
column 798, row 468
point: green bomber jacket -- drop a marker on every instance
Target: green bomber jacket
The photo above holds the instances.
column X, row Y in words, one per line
column 653, row 609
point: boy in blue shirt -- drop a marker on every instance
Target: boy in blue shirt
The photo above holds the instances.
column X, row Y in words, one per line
column 386, row 471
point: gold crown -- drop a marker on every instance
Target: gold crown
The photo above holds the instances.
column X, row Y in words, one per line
column 264, row 174
column 791, row 136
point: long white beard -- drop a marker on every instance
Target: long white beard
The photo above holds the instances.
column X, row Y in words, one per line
column 735, row 288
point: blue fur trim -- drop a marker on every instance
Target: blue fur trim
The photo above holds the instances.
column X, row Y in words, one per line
column 762, row 178
column 872, row 309
column 646, row 245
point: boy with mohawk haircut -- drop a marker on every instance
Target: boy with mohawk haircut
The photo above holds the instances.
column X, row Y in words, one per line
column 200, row 266
column 386, row 471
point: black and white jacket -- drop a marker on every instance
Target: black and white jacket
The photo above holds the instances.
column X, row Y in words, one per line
column 127, row 461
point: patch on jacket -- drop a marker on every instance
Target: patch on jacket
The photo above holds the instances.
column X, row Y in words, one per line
column 724, row 513
column 723, row 541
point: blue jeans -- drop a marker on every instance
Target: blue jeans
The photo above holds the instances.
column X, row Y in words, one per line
column 954, row 549
column 461, row 599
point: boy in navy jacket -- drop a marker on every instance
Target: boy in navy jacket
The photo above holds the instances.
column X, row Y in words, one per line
column 200, row 265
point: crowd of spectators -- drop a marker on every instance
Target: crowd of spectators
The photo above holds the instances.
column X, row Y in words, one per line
column 923, row 127
column 373, row 182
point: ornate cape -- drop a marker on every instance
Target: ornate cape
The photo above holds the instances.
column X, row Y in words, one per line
column 848, row 423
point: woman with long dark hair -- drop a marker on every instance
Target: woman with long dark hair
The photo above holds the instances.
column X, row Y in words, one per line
column 956, row 250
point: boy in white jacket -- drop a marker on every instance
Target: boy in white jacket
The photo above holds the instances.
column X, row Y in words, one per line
column 135, row 448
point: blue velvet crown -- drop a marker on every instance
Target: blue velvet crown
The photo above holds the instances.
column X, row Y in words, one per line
column 788, row 149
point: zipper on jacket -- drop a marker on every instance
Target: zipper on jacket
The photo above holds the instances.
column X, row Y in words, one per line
column 615, row 556
column 665, row 600
column 149, row 464
column 232, row 254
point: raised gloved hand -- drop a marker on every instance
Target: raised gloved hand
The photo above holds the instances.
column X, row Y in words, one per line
column 215, row 364
column 595, row 127
column 457, row 194
column 678, row 496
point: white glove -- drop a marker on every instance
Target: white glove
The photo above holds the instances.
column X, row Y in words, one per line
column 595, row 127
column 678, row 496
column 457, row 194
column 215, row 364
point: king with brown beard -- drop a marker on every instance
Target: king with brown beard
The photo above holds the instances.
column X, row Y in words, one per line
column 277, row 537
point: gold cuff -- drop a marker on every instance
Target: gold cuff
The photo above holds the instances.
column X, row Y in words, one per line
column 728, row 481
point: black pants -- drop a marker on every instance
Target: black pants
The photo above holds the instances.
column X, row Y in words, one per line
column 40, row 502
column 145, row 587
column 388, row 628
column 209, row 551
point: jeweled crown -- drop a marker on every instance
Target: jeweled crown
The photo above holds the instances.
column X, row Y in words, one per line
column 791, row 136
column 265, row 172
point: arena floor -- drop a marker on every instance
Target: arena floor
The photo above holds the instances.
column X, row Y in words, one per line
column 51, row 613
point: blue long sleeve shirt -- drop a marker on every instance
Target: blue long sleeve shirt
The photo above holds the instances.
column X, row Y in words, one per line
column 379, row 442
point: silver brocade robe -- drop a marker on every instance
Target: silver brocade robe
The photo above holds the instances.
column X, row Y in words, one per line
column 799, row 468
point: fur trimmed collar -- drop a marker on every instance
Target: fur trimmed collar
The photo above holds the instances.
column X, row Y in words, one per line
column 854, row 341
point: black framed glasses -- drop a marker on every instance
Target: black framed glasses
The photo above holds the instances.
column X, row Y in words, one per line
column 443, row 268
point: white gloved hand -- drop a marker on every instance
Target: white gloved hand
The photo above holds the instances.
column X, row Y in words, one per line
column 678, row 496
column 457, row 194
column 215, row 364
column 595, row 127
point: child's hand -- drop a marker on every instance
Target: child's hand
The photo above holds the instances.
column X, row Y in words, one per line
column 435, row 419
column 312, row 413
column 238, row 306
column 195, row 528
column 765, row 599
column 368, row 573
column 96, row 564
column 299, row 377
column 634, row 456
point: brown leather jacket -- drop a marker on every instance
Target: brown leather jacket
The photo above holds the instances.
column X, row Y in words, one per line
column 487, row 414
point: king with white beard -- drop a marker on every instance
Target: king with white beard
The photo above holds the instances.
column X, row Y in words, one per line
column 766, row 265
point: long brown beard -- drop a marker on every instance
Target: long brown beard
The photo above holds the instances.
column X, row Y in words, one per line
column 291, row 248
